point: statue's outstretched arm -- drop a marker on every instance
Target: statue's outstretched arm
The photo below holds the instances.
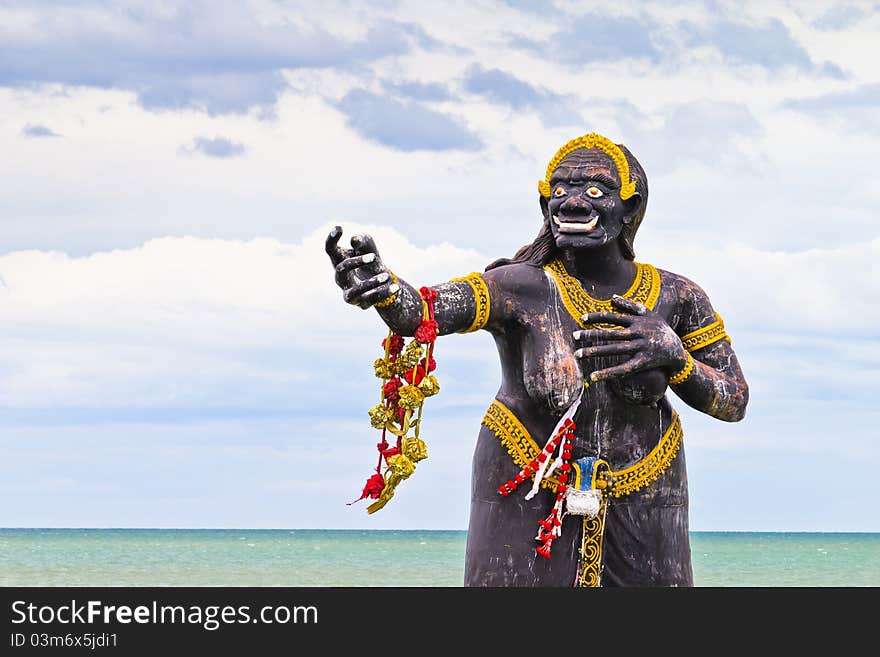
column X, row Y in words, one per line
column 462, row 305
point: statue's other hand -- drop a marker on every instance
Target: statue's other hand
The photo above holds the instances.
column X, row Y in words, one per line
column 644, row 388
column 643, row 335
column 360, row 273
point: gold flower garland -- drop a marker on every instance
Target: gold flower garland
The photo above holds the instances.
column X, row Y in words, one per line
column 592, row 140
column 405, row 371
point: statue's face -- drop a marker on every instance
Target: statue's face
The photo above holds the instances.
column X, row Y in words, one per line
column 585, row 206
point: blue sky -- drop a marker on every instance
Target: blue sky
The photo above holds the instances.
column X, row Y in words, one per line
column 174, row 351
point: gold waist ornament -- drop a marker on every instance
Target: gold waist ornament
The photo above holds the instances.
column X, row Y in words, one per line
column 523, row 450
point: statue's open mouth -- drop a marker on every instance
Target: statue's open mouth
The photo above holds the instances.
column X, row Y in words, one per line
column 577, row 226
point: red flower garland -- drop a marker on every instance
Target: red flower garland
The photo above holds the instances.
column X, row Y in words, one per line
column 549, row 527
column 390, row 410
column 427, row 331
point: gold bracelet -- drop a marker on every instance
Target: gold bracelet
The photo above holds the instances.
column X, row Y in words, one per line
column 387, row 302
column 481, row 298
column 705, row 336
column 684, row 372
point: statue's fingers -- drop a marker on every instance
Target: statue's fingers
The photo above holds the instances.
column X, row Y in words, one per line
column 631, row 366
column 331, row 246
column 364, row 244
column 627, row 347
column 354, row 262
column 628, row 305
column 378, row 294
column 353, row 293
column 347, row 271
column 343, row 279
column 607, row 318
column 591, row 336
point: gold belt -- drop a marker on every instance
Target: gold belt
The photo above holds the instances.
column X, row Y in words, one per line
column 523, row 449
column 520, row 445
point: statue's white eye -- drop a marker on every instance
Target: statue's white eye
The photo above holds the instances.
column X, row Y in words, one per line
column 559, row 191
column 594, row 192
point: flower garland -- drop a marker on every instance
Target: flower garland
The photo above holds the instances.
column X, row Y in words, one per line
column 405, row 371
column 550, row 528
column 542, row 467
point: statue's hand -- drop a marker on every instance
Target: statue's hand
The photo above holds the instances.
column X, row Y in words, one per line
column 645, row 335
column 643, row 388
column 360, row 273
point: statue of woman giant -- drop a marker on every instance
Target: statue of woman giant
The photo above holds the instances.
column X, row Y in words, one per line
column 579, row 324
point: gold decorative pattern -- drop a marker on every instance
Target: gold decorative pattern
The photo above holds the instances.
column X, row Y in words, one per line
column 644, row 290
column 590, row 570
column 515, row 438
column 650, row 468
column 481, row 297
column 523, row 449
column 705, row 336
column 592, row 140
column 682, row 375
column 387, row 302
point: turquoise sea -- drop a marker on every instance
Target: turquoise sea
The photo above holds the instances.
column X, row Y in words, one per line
column 275, row 557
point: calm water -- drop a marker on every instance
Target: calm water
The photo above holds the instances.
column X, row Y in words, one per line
column 246, row 557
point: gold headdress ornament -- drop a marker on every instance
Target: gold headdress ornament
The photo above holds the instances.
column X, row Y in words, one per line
column 592, row 140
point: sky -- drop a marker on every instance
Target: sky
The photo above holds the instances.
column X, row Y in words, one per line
column 174, row 351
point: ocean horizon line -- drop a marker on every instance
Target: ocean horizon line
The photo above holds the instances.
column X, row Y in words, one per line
column 431, row 529
column 273, row 556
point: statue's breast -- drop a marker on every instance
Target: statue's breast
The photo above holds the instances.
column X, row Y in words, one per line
column 551, row 374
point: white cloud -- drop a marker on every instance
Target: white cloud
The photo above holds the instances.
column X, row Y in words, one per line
column 818, row 291
column 186, row 301
column 179, row 313
column 116, row 180
column 195, row 311
column 243, row 353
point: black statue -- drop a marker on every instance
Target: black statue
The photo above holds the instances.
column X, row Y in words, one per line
column 579, row 324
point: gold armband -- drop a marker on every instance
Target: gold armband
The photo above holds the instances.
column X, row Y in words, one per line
column 387, row 302
column 481, row 297
column 705, row 336
column 684, row 372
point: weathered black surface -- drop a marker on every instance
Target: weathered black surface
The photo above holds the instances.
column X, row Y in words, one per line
column 544, row 364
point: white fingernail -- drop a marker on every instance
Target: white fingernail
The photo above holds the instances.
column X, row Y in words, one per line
column 383, row 277
column 577, row 335
column 393, row 288
column 369, row 257
column 579, row 353
column 584, row 318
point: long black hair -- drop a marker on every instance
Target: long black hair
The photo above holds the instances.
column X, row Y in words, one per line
column 543, row 248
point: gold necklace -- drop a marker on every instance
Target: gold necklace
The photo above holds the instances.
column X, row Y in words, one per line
column 644, row 290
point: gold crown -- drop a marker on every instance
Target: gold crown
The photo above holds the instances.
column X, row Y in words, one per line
column 592, row 140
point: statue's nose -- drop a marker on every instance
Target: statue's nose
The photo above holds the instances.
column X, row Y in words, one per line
column 577, row 204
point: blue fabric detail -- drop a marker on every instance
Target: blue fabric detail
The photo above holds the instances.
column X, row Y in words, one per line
column 586, row 464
